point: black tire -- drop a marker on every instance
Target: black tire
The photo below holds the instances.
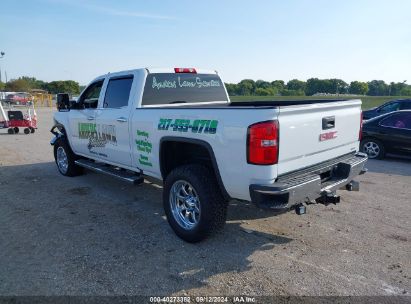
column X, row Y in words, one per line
column 212, row 204
column 16, row 130
column 10, row 131
column 373, row 148
column 32, row 130
column 72, row 169
column 26, row 131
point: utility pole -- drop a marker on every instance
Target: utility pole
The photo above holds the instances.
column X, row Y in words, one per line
column 2, row 94
column 1, row 56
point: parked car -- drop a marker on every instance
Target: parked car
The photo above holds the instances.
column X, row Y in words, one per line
column 388, row 133
column 178, row 126
column 20, row 98
column 390, row 106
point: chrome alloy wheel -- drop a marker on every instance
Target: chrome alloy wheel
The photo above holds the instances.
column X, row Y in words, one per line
column 62, row 160
column 185, row 204
column 372, row 149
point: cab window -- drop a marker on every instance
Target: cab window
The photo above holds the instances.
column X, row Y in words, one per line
column 89, row 99
column 169, row 88
column 118, row 92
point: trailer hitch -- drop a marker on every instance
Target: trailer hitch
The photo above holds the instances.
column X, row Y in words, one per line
column 328, row 198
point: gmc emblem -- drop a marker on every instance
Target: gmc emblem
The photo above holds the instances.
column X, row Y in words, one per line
column 328, row 135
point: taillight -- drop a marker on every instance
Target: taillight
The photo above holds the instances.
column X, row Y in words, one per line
column 360, row 135
column 262, row 143
column 185, row 70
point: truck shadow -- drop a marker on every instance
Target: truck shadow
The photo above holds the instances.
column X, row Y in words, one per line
column 94, row 235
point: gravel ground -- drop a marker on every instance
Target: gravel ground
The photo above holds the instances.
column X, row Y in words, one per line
column 93, row 235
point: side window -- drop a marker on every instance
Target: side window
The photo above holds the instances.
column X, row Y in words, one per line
column 391, row 107
column 406, row 105
column 398, row 120
column 118, row 92
column 90, row 96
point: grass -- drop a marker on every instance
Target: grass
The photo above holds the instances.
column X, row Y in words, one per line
column 367, row 101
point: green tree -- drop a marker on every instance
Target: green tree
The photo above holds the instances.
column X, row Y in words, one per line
column 2, row 86
column 63, row 86
column 337, row 86
column 406, row 91
column 313, row 86
column 262, row 92
column 24, row 84
column 262, row 84
column 18, row 85
column 231, row 89
column 278, row 84
column 33, row 82
column 296, row 85
column 246, row 87
column 396, row 88
column 358, row 87
column 378, row 88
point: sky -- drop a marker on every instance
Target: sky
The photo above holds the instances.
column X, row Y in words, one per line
column 261, row 39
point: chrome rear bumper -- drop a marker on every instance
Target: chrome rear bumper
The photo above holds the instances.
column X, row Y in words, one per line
column 308, row 184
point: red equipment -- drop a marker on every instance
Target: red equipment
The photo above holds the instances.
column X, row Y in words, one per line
column 15, row 118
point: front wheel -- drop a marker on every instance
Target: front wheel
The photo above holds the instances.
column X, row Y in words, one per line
column 65, row 159
column 193, row 203
column 373, row 148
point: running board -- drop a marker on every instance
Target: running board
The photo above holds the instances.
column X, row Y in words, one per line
column 116, row 172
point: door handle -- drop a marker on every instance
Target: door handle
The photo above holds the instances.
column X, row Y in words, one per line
column 90, row 118
column 122, row 119
column 328, row 122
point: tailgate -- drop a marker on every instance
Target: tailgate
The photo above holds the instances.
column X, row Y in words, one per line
column 314, row 133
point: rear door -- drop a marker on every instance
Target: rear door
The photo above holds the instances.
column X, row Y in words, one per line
column 313, row 133
column 113, row 116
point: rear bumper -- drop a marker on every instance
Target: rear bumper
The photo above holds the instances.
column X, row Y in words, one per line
column 308, row 184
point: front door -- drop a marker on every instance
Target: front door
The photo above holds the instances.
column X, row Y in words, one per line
column 396, row 132
column 83, row 119
column 113, row 121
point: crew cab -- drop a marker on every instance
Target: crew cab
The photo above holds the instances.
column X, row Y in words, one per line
column 179, row 127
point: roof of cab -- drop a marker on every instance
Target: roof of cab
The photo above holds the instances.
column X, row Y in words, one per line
column 151, row 70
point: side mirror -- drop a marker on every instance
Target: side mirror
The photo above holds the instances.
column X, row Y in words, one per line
column 63, row 102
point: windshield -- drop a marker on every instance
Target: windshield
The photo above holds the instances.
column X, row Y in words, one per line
column 169, row 88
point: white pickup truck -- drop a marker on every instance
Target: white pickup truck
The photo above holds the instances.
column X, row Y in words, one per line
column 178, row 126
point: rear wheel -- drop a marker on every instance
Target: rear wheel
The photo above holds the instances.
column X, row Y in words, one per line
column 193, row 203
column 16, row 130
column 373, row 148
column 11, row 131
column 32, row 130
column 26, row 131
column 65, row 159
